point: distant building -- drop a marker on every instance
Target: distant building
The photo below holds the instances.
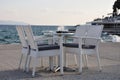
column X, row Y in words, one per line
column 111, row 24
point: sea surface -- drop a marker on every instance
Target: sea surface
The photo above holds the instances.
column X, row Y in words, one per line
column 9, row 35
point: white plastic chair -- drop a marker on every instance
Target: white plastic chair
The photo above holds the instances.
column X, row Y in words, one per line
column 79, row 33
column 26, row 47
column 93, row 38
column 87, row 38
column 41, row 51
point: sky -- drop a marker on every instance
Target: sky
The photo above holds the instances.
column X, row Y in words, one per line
column 54, row 12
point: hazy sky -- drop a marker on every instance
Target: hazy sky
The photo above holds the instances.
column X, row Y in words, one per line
column 54, row 12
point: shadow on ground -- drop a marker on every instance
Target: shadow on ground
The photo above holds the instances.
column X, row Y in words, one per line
column 111, row 72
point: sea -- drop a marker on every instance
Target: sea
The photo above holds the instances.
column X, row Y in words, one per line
column 9, row 35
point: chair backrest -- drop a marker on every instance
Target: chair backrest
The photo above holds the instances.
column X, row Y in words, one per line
column 81, row 31
column 94, row 31
column 21, row 34
column 30, row 37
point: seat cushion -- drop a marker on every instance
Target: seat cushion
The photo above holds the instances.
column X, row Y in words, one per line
column 75, row 45
column 41, row 44
column 47, row 47
column 88, row 46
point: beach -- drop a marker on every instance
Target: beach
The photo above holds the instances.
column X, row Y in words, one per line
column 110, row 61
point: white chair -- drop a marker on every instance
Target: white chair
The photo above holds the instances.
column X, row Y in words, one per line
column 41, row 51
column 93, row 39
column 25, row 46
column 87, row 38
column 79, row 33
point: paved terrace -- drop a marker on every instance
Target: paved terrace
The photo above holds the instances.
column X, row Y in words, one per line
column 110, row 60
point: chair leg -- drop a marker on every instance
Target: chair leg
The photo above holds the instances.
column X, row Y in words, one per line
column 51, row 63
column 98, row 60
column 55, row 61
column 26, row 60
column 83, row 57
column 65, row 60
column 86, row 60
column 28, row 64
column 80, row 63
column 34, row 67
column 58, row 58
column 75, row 56
column 41, row 60
column 20, row 61
column 61, row 63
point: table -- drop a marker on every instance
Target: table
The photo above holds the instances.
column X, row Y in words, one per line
column 62, row 37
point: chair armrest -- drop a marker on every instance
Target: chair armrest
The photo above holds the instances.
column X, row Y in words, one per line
column 77, row 37
column 43, row 38
column 92, row 38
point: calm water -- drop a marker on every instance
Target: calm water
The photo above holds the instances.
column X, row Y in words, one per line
column 8, row 33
